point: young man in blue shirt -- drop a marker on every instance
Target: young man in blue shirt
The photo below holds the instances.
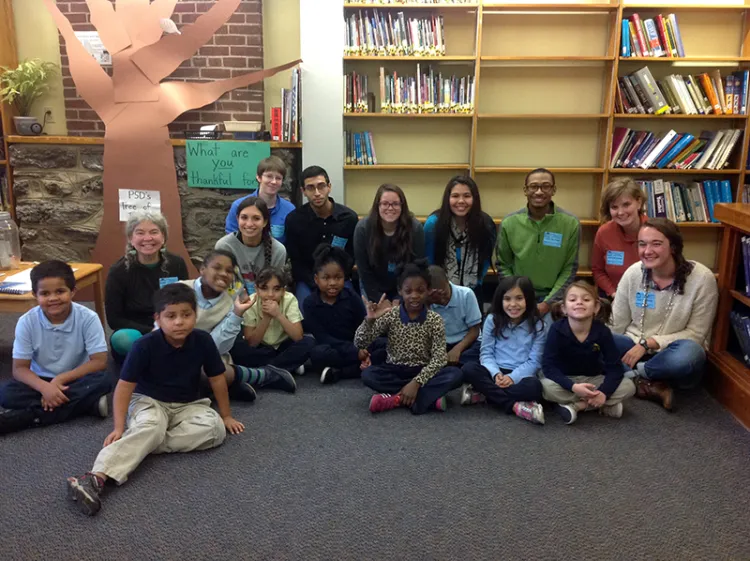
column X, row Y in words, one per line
column 270, row 175
column 159, row 396
column 59, row 357
column 458, row 307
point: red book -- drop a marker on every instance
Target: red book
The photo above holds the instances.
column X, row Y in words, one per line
column 276, row 123
column 661, row 28
column 636, row 19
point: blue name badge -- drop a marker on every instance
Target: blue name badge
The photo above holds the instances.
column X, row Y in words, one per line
column 164, row 281
column 650, row 300
column 552, row 239
column 391, row 267
column 339, row 242
column 250, row 287
column 615, row 257
column 277, row 230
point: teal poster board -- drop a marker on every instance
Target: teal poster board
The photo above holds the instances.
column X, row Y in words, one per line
column 224, row 164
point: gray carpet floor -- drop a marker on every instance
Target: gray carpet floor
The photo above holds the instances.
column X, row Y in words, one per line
column 317, row 477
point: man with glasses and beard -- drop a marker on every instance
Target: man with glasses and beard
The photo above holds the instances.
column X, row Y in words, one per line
column 540, row 241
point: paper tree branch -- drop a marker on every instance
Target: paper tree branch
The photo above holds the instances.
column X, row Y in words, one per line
column 159, row 60
column 184, row 96
column 111, row 31
column 150, row 29
column 132, row 14
column 92, row 82
column 130, row 83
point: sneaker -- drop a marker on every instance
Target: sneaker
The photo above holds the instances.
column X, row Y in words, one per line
column 85, row 491
column 330, row 375
column 530, row 411
column 13, row 420
column 384, row 402
column 242, row 391
column 300, row 371
column 614, row 411
column 277, row 378
column 101, row 409
column 441, row 404
column 568, row 413
column 469, row 396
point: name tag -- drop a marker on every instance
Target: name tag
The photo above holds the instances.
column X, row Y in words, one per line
column 339, row 242
column 650, row 300
column 250, row 287
column 391, row 267
column 277, row 230
column 615, row 257
column 167, row 280
column 552, row 239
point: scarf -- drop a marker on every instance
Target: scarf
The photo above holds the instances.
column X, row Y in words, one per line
column 461, row 262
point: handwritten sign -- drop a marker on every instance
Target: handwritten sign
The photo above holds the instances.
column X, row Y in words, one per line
column 93, row 44
column 224, row 164
column 133, row 200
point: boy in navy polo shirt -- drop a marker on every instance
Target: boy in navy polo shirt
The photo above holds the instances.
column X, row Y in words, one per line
column 59, row 357
column 270, row 175
column 458, row 307
column 159, row 396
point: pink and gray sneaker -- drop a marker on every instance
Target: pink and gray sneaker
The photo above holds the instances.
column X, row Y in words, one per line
column 384, row 402
column 530, row 411
column 441, row 404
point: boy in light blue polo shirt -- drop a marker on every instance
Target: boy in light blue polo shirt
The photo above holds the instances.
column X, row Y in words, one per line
column 59, row 357
column 458, row 307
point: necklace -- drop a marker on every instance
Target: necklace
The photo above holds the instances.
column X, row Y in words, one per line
column 644, row 305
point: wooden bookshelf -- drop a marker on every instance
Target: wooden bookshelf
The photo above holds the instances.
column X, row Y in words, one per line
column 545, row 82
column 9, row 58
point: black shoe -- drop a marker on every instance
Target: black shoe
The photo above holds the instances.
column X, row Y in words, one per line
column 242, row 391
column 330, row 375
column 278, row 379
column 13, row 420
column 85, row 491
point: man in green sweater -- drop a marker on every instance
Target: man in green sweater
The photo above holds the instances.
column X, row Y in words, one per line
column 540, row 241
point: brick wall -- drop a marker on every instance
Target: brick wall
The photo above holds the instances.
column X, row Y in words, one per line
column 235, row 49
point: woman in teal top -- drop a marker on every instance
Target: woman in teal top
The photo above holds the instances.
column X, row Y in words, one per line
column 460, row 237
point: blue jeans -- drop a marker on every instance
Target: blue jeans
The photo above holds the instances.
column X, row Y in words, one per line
column 680, row 363
column 303, row 290
column 83, row 395
column 390, row 378
column 528, row 389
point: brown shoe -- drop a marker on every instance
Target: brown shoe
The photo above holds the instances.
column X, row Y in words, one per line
column 655, row 391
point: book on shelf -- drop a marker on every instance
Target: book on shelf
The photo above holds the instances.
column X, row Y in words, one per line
column 741, row 327
column 290, row 112
column 684, row 201
column 359, row 149
column 703, row 94
column 745, row 195
column 651, row 37
column 378, row 33
column 672, row 150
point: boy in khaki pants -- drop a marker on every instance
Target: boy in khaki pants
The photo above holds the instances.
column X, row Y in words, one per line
column 158, row 394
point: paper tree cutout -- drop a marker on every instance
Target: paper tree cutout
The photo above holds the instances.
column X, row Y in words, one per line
column 136, row 106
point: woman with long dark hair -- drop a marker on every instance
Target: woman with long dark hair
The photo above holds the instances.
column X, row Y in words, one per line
column 663, row 310
column 459, row 237
column 387, row 238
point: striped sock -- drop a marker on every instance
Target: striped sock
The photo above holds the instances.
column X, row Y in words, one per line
column 252, row 376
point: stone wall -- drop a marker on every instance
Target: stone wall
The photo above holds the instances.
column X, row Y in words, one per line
column 58, row 197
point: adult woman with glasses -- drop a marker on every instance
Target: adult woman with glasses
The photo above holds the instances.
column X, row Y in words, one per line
column 270, row 175
column 388, row 237
column 663, row 311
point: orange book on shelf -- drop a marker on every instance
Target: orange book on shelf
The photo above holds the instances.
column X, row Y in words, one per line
column 708, row 87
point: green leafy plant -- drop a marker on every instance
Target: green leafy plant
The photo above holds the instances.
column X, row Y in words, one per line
column 23, row 85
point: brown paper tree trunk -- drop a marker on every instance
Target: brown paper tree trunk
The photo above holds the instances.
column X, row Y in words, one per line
column 136, row 106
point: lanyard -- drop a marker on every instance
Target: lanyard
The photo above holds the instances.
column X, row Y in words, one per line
column 647, row 287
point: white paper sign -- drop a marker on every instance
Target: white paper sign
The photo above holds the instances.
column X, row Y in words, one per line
column 93, row 44
column 132, row 200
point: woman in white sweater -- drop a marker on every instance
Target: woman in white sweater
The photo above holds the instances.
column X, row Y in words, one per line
column 663, row 311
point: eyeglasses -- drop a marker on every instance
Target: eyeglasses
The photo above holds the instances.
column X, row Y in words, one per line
column 534, row 187
column 273, row 178
column 319, row 188
column 385, row 205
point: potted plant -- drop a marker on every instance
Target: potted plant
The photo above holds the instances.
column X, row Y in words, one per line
column 22, row 86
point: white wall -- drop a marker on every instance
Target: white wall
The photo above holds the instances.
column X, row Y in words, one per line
column 322, row 49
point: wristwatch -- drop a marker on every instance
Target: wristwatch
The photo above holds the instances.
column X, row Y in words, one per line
column 644, row 343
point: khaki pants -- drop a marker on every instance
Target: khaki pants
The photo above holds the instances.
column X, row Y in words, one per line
column 156, row 427
column 552, row 391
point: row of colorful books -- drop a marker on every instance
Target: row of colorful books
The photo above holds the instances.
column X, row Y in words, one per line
column 359, row 149
column 657, row 37
column 672, row 150
column 740, row 321
column 704, row 94
column 286, row 121
column 683, row 202
column 374, row 33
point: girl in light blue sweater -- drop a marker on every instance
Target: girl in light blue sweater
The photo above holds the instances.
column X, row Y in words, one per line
column 512, row 346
